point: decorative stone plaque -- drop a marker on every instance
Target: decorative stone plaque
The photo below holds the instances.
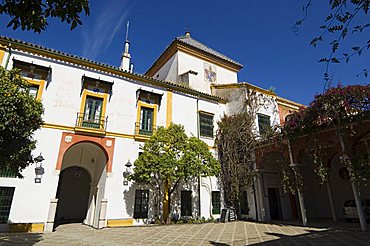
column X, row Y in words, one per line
column 68, row 139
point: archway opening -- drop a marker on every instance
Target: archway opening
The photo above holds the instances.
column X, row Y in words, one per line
column 73, row 195
column 81, row 185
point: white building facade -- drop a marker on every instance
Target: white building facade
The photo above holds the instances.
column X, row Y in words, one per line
column 97, row 117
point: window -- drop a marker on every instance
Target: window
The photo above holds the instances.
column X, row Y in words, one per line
column 6, row 198
column 34, row 90
column 206, row 124
column 216, row 202
column 141, row 204
column 93, row 112
column 244, row 209
column 36, row 76
column 263, row 123
column 186, row 203
column 94, row 98
column 147, row 106
column 146, row 121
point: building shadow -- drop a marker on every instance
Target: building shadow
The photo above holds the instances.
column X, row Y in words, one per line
column 310, row 237
column 20, row 238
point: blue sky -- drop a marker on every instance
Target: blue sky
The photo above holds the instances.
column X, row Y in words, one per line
column 255, row 33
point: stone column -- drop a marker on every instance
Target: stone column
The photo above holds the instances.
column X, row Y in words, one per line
column 103, row 213
column 51, row 215
column 300, row 194
column 360, row 208
column 331, row 201
column 261, row 195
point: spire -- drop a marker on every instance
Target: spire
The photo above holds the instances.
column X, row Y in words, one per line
column 126, row 57
column 187, row 31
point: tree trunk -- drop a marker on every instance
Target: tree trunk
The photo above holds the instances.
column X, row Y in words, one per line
column 166, row 203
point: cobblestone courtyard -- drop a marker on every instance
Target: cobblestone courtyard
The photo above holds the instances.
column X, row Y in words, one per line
column 235, row 233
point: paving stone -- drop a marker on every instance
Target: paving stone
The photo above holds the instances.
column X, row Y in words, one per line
column 235, row 233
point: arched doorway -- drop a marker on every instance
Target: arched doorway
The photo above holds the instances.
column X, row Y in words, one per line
column 73, row 195
column 81, row 185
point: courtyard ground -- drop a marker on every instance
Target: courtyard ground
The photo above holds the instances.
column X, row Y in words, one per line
column 233, row 233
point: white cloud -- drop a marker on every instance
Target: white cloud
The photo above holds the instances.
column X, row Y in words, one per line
column 108, row 22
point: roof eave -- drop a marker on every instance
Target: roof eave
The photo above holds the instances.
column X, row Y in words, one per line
column 177, row 45
column 54, row 54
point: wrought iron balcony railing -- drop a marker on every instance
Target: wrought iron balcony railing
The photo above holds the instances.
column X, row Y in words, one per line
column 144, row 129
column 86, row 121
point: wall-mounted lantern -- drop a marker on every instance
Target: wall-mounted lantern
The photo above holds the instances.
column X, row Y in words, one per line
column 127, row 172
column 39, row 170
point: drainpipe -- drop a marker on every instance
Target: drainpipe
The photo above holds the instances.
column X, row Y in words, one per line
column 199, row 209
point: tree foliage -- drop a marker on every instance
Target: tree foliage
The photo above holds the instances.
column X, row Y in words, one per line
column 237, row 138
column 171, row 156
column 20, row 116
column 338, row 109
column 34, row 14
column 340, row 24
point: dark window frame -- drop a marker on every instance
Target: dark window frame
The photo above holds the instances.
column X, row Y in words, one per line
column 216, row 202
column 7, row 173
column 91, row 117
column 186, row 203
column 141, row 206
column 206, row 126
column 146, row 123
column 244, row 206
column 264, row 122
column 6, row 200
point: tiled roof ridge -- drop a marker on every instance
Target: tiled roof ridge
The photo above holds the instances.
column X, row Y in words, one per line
column 207, row 49
column 103, row 65
column 179, row 39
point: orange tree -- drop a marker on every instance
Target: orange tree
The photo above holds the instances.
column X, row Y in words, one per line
column 20, row 117
column 170, row 157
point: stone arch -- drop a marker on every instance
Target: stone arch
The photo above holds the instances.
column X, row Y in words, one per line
column 70, row 139
column 92, row 157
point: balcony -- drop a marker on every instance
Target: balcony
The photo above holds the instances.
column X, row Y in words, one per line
column 144, row 131
column 88, row 125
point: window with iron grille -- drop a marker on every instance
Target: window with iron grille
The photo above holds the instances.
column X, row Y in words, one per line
column 206, row 125
column 263, row 123
column 146, row 121
column 6, row 198
column 141, row 204
column 216, row 202
column 93, row 112
column 7, row 173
